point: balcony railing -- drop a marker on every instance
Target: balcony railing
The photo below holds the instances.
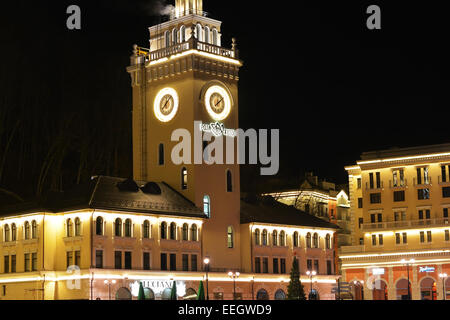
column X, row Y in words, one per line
column 445, row 181
column 423, row 182
column 375, row 187
column 438, row 222
column 351, row 249
column 398, row 184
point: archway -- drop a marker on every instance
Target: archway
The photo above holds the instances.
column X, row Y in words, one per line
column 149, row 294
column 123, row 294
column 262, row 295
column 402, row 289
column 358, row 290
column 428, row 289
column 166, row 294
column 280, row 295
column 379, row 290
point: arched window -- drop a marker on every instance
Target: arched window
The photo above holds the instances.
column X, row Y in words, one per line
column 207, row 37
column 264, row 237
column 163, row 230
column 167, row 38
column 308, row 240
column 230, row 235
column 198, row 31
column 262, row 295
column 295, row 239
column 282, row 239
column 182, row 34
column 7, row 233
column 328, row 241
column 194, row 232
column 173, row 231
column 69, row 225
column 280, row 295
column 274, row 238
column 316, row 240
column 118, row 227
column 128, row 227
column 229, row 181
column 185, row 232
column 99, row 226
column 13, row 232
column 184, row 179
column 77, row 227
column 215, row 37
column 161, row 154
column 146, row 226
column 175, row 36
column 257, row 239
column 207, row 206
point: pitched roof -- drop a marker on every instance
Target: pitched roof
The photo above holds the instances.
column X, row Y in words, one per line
column 268, row 210
column 116, row 194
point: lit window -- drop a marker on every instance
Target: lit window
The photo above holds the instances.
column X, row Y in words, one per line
column 77, row 227
column 207, row 206
column 175, row 36
column 185, row 232
column 69, row 231
column 257, row 235
column 274, row 238
column 173, row 231
column 13, row 232
column 99, row 226
column 316, row 240
column 128, row 227
column 118, row 227
column 182, row 34
column 184, row 179
column 230, row 240
column 167, row 39
column 194, row 232
column 282, row 239
column 146, row 226
column 328, row 241
column 264, row 237
column 6, row 228
column 308, row 240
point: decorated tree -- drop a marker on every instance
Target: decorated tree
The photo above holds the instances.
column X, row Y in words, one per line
column 295, row 288
column 201, row 292
column 141, row 295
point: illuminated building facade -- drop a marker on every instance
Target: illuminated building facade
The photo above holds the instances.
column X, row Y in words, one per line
column 400, row 200
column 104, row 238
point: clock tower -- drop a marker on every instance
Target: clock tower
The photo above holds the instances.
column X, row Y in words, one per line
column 186, row 76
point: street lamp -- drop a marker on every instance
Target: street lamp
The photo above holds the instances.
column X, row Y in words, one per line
column 109, row 286
column 311, row 274
column 407, row 264
column 444, row 277
column 206, row 262
column 234, row 275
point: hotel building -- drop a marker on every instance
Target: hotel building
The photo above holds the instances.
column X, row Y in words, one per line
column 102, row 239
column 400, row 200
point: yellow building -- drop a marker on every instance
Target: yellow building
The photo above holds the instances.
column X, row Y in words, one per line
column 102, row 239
column 399, row 207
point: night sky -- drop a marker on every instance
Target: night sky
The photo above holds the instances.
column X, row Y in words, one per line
column 314, row 71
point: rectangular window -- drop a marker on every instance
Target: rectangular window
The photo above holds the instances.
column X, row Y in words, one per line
column 397, row 238
column 378, row 180
column 419, row 176
column 428, row 214
column 78, row 258
column 420, row 214
column 173, row 262
column 265, row 265
column 361, row 241
column 429, row 239
column 423, row 194
column 118, row 259
column 380, row 217
column 146, row 262
column 194, row 262
column 275, row 265
column 6, row 264
column 69, row 258
column 446, row 192
column 360, row 222
column 360, row 203
column 257, row 265
column 13, row 263
column 163, row 261
column 329, row 267
column 422, row 237
column 373, row 218
column 447, row 235
column 282, row 265
column 128, row 260
column 380, row 239
column 399, row 196
column 309, row 265
column 444, row 173
column 34, row 261
column 99, row 259
column 185, row 262
column 316, row 266
column 371, row 180
column 375, row 198
column 374, row 240
column 445, row 213
column 359, row 183
column 405, row 237
column 27, row 262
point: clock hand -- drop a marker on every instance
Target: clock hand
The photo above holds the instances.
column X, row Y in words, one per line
column 164, row 107
column 218, row 102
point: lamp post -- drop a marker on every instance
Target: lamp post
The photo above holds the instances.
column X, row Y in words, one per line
column 206, row 263
column 443, row 276
column 408, row 263
column 109, row 286
column 311, row 274
column 234, row 275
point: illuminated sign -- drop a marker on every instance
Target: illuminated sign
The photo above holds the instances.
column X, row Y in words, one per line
column 426, row 269
column 217, row 129
column 158, row 287
column 378, row 271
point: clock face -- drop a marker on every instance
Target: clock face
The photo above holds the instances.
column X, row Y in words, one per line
column 218, row 102
column 166, row 104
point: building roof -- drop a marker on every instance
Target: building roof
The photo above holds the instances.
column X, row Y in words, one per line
column 115, row 194
column 268, row 210
column 403, row 152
